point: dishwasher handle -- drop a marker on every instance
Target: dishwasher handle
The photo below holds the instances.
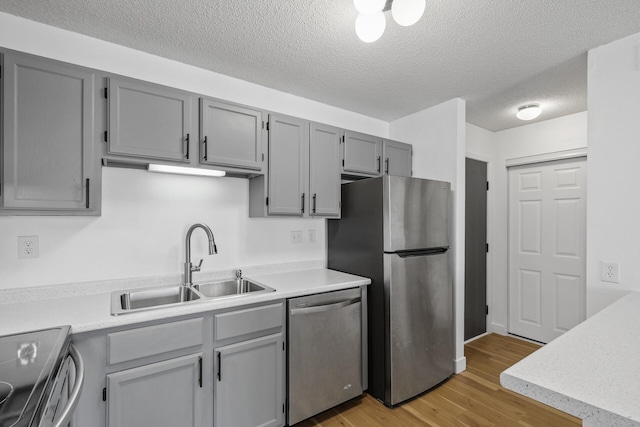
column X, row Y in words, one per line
column 77, row 388
column 307, row 309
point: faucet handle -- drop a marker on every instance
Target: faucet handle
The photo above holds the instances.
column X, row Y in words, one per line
column 238, row 274
column 197, row 267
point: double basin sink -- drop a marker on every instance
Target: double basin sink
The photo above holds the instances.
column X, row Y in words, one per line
column 147, row 299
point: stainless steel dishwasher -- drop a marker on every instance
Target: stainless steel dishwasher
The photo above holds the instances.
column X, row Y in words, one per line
column 327, row 354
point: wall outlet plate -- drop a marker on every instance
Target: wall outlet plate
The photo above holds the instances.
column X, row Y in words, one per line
column 28, row 247
column 610, row 272
column 296, row 237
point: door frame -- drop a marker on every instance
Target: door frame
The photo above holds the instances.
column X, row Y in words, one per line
column 573, row 154
column 490, row 206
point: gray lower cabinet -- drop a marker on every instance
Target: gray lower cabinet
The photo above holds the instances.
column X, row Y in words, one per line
column 162, row 394
column 148, row 121
column 231, row 135
column 249, row 362
column 50, row 160
column 249, row 383
column 361, row 154
column 397, row 158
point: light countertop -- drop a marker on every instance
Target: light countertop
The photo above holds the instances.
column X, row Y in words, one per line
column 92, row 311
column 592, row 371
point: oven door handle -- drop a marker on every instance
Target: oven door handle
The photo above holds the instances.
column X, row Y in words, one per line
column 77, row 388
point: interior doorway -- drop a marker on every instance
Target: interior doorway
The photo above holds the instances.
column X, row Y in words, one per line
column 475, row 276
column 547, row 248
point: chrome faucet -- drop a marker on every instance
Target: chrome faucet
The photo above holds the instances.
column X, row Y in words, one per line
column 188, row 266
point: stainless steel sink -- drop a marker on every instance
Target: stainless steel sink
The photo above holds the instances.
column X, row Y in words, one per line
column 228, row 288
column 146, row 299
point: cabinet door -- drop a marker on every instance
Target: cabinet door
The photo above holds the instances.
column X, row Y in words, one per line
column 249, row 384
column 148, row 121
column 231, row 135
column 324, row 170
column 397, row 158
column 163, row 394
column 48, row 148
column 362, row 154
column 288, row 139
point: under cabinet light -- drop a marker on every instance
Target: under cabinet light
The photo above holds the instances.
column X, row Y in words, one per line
column 185, row 171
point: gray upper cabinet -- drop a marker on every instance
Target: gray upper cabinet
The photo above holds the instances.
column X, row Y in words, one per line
column 397, row 158
column 148, row 121
column 324, row 170
column 288, row 139
column 362, row 154
column 231, row 135
column 50, row 163
column 162, row 394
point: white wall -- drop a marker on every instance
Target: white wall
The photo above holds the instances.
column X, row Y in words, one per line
column 438, row 138
column 613, row 224
column 564, row 133
column 145, row 216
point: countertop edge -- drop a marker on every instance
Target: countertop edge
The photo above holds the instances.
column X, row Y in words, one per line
column 564, row 403
column 573, row 373
column 94, row 313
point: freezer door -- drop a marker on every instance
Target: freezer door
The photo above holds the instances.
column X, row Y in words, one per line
column 416, row 213
column 419, row 294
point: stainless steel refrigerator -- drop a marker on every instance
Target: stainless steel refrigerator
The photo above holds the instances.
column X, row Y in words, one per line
column 396, row 231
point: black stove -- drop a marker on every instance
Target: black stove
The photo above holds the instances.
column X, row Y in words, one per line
column 28, row 363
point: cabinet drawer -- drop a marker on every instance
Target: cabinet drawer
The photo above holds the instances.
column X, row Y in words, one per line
column 248, row 321
column 152, row 340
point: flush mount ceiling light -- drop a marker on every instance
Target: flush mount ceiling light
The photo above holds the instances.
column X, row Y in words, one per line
column 371, row 22
column 528, row 112
column 184, row 171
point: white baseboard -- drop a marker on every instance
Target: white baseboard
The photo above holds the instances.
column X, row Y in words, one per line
column 476, row 338
column 460, row 365
column 499, row 329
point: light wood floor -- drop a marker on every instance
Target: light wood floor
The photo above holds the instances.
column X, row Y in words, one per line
column 472, row 398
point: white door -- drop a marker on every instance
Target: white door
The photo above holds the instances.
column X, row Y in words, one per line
column 547, row 248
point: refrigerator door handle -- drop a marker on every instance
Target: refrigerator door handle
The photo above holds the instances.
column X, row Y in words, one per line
column 324, row 307
column 421, row 252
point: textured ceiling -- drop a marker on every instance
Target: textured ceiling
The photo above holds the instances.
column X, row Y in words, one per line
column 495, row 54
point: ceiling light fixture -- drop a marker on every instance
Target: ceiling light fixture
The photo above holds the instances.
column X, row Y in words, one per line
column 407, row 12
column 184, row 171
column 371, row 22
column 528, row 112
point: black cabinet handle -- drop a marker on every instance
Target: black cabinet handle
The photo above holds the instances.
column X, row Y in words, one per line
column 386, row 166
column 219, row 367
column 187, row 150
column 302, row 202
column 87, row 193
column 204, row 156
column 378, row 164
column 314, row 202
column 200, row 372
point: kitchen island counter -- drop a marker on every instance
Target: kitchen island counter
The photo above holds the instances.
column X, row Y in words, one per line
column 92, row 311
column 592, row 371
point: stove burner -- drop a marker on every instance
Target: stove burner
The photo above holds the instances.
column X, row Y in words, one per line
column 6, row 390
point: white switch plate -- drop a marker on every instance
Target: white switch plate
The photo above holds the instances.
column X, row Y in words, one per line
column 28, row 247
column 296, row 237
column 610, row 272
column 312, row 236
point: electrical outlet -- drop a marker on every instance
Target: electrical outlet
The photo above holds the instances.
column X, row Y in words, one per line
column 610, row 272
column 312, row 236
column 28, row 247
column 296, row 237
